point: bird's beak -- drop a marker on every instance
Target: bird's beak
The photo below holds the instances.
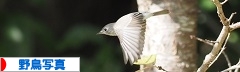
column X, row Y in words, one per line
column 99, row 33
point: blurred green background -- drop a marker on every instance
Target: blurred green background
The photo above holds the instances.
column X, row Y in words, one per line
column 67, row 28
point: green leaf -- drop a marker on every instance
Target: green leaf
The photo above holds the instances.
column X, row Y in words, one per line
column 234, row 37
column 207, row 5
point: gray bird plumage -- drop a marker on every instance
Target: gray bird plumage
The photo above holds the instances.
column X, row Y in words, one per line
column 130, row 30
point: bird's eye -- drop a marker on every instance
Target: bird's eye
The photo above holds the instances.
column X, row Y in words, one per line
column 137, row 14
column 105, row 29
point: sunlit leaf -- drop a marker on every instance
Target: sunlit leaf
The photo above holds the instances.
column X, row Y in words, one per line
column 146, row 60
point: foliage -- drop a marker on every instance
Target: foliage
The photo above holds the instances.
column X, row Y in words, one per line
column 26, row 29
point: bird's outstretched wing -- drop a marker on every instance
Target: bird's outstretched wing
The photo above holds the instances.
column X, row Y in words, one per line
column 130, row 31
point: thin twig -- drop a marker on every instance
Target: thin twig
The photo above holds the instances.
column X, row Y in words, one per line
column 209, row 58
column 223, row 48
column 231, row 68
column 236, row 70
column 236, row 67
column 160, row 68
column 234, row 26
column 230, row 18
column 238, row 62
column 209, row 42
column 227, row 59
column 224, row 53
column 224, row 2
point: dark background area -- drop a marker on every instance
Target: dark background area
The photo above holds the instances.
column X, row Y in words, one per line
column 67, row 28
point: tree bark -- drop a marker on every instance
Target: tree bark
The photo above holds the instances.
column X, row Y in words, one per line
column 169, row 35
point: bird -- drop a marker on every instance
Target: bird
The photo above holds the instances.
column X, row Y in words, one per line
column 130, row 30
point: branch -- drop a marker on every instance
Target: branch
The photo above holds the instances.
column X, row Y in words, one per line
column 230, row 18
column 217, row 47
column 222, row 50
column 227, row 59
column 220, row 12
column 231, row 68
column 209, row 42
column 236, row 67
column 234, row 26
column 224, row 2
column 236, row 70
column 215, row 51
column 224, row 54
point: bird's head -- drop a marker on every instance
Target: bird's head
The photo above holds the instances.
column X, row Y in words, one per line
column 108, row 30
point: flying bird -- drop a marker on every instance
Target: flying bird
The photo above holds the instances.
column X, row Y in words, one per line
column 130, row 31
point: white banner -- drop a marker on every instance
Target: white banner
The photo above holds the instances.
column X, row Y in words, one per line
column 40, row 63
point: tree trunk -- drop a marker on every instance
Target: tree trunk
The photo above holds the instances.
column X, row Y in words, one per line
column 169, row 35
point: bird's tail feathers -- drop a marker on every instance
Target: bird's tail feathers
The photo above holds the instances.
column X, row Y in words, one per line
column 165, row 11
column 148, row 15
